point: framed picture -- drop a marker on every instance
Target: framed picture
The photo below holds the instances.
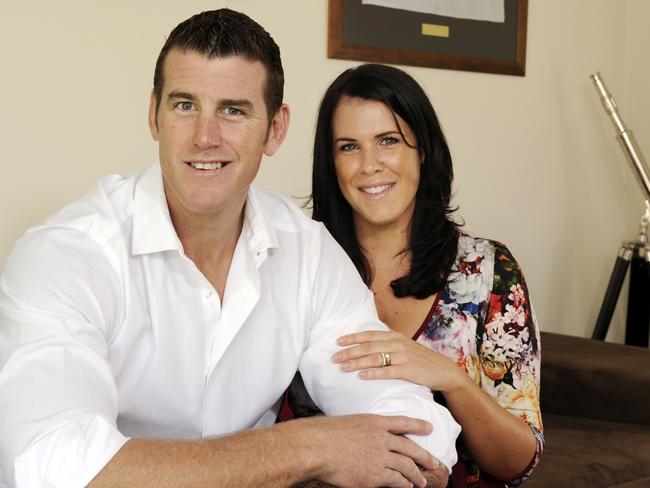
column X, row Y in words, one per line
column 471, row 35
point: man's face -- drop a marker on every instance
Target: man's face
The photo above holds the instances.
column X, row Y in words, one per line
column 212, row 127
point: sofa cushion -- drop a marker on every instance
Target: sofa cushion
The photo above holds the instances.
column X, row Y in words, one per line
column 593, row 379
column 592, row 454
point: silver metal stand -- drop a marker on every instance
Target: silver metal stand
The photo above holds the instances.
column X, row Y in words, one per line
column 634, row 255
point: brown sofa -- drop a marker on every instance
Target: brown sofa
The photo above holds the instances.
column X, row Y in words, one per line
column 595, row 399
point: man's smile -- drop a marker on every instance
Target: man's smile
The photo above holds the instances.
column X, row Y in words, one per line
column 207, row 165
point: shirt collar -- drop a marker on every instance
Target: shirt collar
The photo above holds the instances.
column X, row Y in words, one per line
column 258, row 230
column 153, row 230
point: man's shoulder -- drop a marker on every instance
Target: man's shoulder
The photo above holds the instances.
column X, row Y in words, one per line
column 98, row 214
column 94, row 223
column 74, row 254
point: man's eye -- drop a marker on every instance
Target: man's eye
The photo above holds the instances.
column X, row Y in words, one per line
column 185, row 106
column 388, row 141
column 232, row 111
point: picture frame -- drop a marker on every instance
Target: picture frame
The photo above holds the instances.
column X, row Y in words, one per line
column 380, row 34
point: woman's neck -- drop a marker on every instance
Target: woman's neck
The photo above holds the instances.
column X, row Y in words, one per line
column 381, row 243
column 383, row 247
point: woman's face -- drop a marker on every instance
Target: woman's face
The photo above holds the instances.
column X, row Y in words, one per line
column 377, row 171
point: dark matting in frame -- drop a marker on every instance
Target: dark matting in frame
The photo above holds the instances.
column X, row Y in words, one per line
column 389, row 35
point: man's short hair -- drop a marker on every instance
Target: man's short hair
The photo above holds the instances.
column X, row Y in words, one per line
column 222, row 33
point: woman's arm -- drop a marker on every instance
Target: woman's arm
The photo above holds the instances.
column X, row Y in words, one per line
column 500, row 443
column 495, row 416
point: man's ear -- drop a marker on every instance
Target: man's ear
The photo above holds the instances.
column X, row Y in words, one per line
column 277, row 130
column 153, row 112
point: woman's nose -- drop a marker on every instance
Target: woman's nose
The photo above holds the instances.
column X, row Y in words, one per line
column 371, row 162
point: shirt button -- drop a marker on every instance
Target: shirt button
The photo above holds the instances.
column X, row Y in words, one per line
column 207, row 294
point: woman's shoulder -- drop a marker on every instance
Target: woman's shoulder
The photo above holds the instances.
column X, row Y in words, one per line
column 479, row 249
column 469, row 245
column 481, row 265
column 471, row 275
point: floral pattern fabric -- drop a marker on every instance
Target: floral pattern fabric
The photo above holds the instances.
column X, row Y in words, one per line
column 483, row 320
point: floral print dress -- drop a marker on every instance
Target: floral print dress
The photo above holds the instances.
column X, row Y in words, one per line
column 484, row 321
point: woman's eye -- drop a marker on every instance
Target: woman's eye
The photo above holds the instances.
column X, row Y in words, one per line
column 347, row 147
column 388, row 141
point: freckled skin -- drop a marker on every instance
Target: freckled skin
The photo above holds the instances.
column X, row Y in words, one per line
column 206, row 127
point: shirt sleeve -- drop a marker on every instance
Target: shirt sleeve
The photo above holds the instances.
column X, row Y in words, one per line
column 58, row 399
column 342, row 305
column 510, row 349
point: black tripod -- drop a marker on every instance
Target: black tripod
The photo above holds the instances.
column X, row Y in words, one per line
column 636, row 256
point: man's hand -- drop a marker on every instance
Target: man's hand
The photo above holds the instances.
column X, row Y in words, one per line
column 437, row 477
column 359, row 451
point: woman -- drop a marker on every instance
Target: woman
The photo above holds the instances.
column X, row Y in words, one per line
column 457, row 306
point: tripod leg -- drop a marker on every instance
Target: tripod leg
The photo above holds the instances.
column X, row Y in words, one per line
column 611, row 295
column 638, row 306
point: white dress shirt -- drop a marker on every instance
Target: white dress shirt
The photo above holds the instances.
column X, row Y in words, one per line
column 108, row 331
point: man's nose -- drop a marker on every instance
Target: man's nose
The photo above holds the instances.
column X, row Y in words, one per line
column 207, row 132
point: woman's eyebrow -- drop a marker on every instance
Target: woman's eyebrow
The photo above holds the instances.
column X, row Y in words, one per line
column 346, row 139
column 390, row 132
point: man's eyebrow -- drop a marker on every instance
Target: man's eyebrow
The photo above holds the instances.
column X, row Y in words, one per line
column 236, row 102
column 180, row 94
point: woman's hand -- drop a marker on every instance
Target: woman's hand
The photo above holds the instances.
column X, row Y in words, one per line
column 409, row 360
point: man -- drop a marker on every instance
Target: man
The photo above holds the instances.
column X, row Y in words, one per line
column 172, row 307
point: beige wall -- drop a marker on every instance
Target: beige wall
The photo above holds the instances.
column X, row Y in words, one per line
column 537, row 165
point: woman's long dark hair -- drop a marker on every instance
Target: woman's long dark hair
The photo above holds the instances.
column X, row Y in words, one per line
column 434, row 237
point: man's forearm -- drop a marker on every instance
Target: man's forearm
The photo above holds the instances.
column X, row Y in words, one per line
column 271, row 457
column 348, row 451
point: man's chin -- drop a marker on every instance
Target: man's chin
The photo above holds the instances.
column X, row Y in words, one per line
column 214, row 207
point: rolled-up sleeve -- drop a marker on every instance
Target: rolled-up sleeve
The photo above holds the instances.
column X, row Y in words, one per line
column 58, row 398
column 343, row 305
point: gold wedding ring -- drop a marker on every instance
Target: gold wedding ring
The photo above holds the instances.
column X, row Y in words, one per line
column 385, row 359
